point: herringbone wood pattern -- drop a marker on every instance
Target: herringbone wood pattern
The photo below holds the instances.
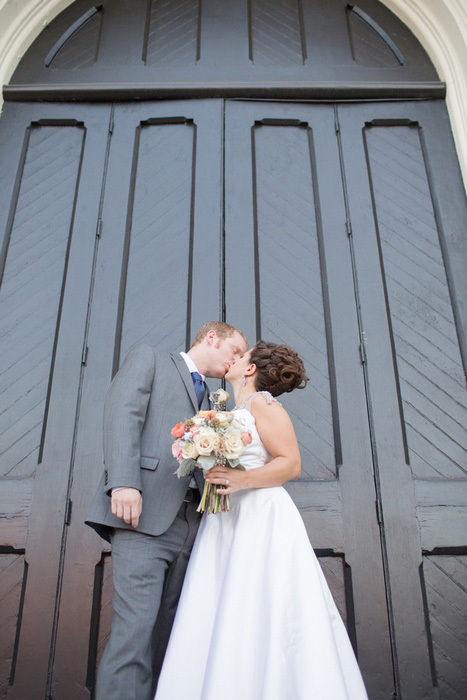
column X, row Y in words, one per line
column 290, row 282
column 446, row 588
column 159, row 252
column 31, row 291
column 432, row 381
column 276, row 32
column 172, row 33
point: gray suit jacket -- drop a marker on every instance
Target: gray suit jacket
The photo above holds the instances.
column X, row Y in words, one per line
column 151, row 392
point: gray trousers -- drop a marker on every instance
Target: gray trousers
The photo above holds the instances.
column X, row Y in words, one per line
column 148, row 576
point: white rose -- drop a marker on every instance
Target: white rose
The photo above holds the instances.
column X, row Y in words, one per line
column 206, row 441
column 219, row 397
column 233, row 444
column 189, row 450
column 225, row 419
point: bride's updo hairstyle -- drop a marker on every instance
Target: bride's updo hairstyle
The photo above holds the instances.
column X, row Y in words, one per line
column 279, row 368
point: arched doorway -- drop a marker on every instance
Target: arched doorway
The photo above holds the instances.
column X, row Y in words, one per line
column 339, row 229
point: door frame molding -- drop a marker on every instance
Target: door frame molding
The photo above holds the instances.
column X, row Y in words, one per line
column 440, row 28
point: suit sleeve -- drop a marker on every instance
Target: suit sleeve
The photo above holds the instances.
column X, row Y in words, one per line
column 124, row 415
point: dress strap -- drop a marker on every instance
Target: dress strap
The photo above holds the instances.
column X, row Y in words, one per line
column 267, row 395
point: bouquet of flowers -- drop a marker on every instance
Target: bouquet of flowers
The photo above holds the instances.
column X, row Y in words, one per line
column 210, row 438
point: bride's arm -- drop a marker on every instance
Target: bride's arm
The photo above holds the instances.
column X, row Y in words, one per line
column 278, row 436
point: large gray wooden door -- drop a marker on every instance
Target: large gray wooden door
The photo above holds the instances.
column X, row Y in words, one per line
column 408, row 217
column 52, row 165
column 113, row 230
column 335, row 229
column 159, row 281
column 350, row 234
column 289, row 278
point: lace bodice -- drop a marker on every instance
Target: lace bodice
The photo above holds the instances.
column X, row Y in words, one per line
column 267, row 395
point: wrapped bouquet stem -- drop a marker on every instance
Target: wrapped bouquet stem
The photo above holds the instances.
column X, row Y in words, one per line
column 211, row 500
column 208, row 439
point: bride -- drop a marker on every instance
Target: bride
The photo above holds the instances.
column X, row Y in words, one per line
column 256, row 620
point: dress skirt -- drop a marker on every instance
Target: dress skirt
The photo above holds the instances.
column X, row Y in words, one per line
column 256, row 619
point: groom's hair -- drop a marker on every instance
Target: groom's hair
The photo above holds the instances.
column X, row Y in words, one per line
column 223, row 330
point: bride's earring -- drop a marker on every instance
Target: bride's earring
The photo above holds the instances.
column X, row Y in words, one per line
column 243, row 380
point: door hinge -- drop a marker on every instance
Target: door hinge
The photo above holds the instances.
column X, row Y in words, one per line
column 348, row 226
column 379, row 512
column 336, row 121
column 362, row 353
column 84, row 356
column 69, row 507
column 111, row 124
column 99, row 228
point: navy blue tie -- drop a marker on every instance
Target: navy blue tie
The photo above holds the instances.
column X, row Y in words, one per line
column 200, row 387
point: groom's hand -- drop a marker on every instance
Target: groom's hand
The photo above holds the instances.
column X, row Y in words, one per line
column 127, row 504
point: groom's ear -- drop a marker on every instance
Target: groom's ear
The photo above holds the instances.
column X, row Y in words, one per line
column 211, row 337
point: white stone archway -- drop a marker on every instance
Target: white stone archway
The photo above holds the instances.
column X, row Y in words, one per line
column 439, row 25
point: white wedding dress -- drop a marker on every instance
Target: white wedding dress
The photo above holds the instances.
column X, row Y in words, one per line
column 256, row 619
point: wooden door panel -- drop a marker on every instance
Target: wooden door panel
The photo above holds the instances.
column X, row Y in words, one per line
column 155, row 293
column 334, row 573
column 157, row 281
column 103, row 618
column 408, row 216
column 286, row 239
column 32, row 282
column 430, row 374
column 289, row 281
column 11, row 585
column 445, row 582
column 49, row 222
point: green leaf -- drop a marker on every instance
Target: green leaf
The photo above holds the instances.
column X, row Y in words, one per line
column 240, row 467
column 185, row 467
column 206, row 461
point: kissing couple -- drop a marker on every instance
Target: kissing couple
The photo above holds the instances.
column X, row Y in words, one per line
column 249, row 615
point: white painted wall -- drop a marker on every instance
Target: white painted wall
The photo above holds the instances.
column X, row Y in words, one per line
column 440, row 26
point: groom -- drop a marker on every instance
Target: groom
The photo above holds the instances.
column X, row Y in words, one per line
column 148, row 514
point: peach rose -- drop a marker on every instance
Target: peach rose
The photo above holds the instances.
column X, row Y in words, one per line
column 206, row 414
column 178, row 430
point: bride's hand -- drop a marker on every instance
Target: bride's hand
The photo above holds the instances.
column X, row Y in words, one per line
column 228, row 480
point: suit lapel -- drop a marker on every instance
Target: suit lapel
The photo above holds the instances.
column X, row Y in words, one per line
column 180, row 364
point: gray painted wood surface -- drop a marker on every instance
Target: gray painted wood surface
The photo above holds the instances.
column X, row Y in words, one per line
column 377, row 513
column 260, row 48
column 289, row 237
column 339, row 230
column 408, row 322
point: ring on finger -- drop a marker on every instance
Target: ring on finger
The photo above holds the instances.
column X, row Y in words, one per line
column 226, row 482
